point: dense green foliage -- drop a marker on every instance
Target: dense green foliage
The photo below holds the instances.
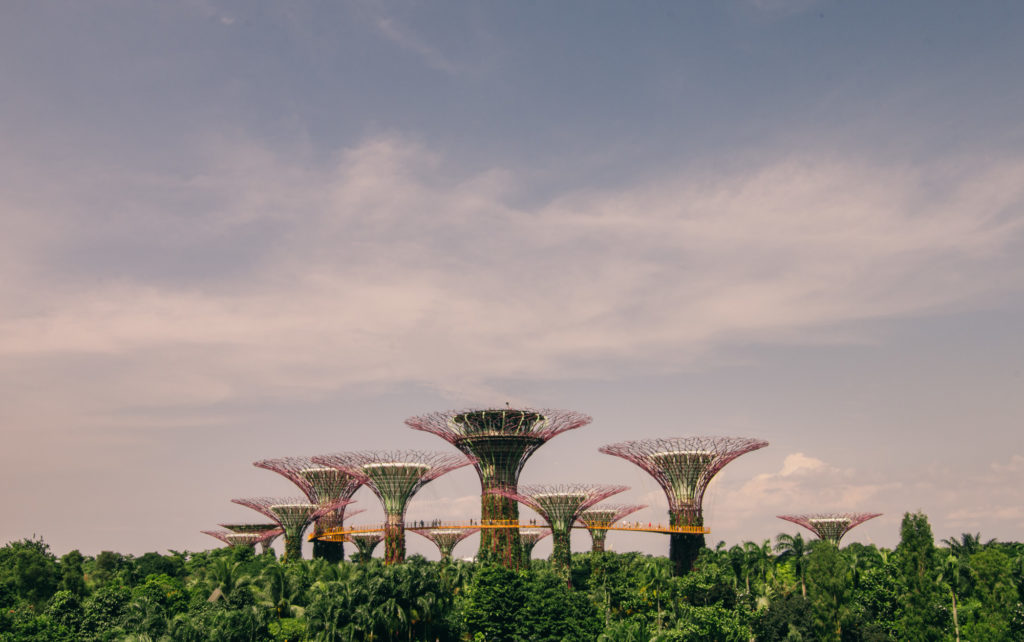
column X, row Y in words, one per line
column 961, row 588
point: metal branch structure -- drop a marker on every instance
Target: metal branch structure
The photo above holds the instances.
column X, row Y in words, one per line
column 322, row 485
column 273, row 531
column 445, row 538
column 232, row 538
column 600, row 518
column 560, row 505
column 292, row 514
column 500, row 440
column 394, row 476
column 529, row 538
column 366, row 542
column 830, row 527
column 684, row 467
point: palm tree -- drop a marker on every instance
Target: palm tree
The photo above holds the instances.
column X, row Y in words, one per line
column 225, row 576
column 951, row 576
column 793, row 547
column 655, row 579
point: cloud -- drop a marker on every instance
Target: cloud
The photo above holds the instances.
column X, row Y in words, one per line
column 406, row 39
column 262, row 274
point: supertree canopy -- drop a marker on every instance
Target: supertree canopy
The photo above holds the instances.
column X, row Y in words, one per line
column 293, row 515
column 273, row 531
column 445, row 538
column 561, row 506
column 830, row 526
column 500, row 440
column 394, row 476
column 366, row 542
column 600, row 518
column 684, row 467
column 529, row 538
column 252, row 538
column 322, row 485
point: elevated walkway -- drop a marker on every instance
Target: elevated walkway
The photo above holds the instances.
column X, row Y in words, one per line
column 342, row 534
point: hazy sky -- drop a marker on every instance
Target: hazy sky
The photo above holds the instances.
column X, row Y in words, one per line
column 233, row 230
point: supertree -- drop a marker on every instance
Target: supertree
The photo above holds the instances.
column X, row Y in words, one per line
column 365, row 542
column 560, row 505
column 257, row 528
column 684, row 467
column 394, row 476
column 500, row 440
column 830, row 526
column 292, row 514
column 529, row 538
column 600, row 518
column 445, row 538
column 322, row 485
column 250, row 539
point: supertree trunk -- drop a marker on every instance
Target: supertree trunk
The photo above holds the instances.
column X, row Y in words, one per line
column 561, row 556
column 394, row 540
column 333, row 552
column 500, row 545
column 684, row 548
column 292, row 545
column 597, row 539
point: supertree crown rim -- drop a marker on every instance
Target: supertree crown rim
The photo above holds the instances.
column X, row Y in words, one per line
column 542, row 423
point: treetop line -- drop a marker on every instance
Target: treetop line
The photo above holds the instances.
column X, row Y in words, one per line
column 497, row 442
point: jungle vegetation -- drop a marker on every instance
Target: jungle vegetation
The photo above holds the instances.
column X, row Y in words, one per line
column 961, row 588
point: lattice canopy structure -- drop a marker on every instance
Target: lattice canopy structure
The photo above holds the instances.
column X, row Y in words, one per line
column 394, row 476
column 500, row 440
column 366, row 542
column 560, row 505
column 322, row 485
column 250, row 539
column 830, row 527
column 529, row 538
column 599, row 519
column 292, row 514
column 684, row 467
column 273, row 531
column 445, row 538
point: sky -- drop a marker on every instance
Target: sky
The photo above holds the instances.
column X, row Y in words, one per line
column 231, row 231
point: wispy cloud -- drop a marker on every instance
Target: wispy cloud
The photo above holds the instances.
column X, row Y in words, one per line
column 410, row 41
column 391, row 266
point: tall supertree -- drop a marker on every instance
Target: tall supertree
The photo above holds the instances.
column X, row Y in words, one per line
column 561, row 505
column 529, row 538
column 322, row 485
column 394, row 476
column 500, row 440
column 830, row 526
column 250, row 539
column 445, row 538
column 600, row 518
column 684, row 467
column 272, row 530
column 366, row 542
column 293, row 514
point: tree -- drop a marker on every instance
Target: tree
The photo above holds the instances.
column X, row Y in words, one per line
column 554, row 612
column 996, row 594
column 30, row 569
column 494, row 600
column 924, row 616
column 792, row 548
column 828, row 590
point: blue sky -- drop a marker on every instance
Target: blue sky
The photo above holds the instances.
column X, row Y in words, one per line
column 232, row 231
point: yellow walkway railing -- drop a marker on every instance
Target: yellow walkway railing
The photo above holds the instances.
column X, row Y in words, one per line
column 342, row 534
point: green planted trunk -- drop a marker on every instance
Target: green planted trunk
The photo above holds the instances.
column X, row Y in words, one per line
column 683, row 548
column 499, row 545
column 293, row 544
column 394, row 540
column 597, row 539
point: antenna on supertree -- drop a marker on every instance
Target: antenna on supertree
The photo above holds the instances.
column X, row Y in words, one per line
column 249, row 539
column 529, row 538
column 560, row 505
column 600, row 518
column 684, row 467
column 365, row 542
column 830, row 526
column 394, row 476
column 445, row 538
column 273, row 531
column 500, row 440
column 322, row 485
column 293, row 514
